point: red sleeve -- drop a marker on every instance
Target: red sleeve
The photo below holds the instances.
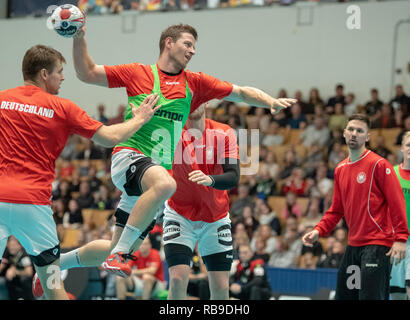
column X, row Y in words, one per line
column 206, row 87
column 231, row 145
column 335, row 212
column 388, row 182
column 79, row 122
column 119, row 75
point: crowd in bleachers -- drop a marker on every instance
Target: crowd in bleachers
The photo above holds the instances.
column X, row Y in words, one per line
column 270, row 211
column 118, row 6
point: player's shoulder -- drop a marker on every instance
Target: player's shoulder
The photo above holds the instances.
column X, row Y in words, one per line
column 212, row 124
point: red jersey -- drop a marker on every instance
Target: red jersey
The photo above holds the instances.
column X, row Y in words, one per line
column 191, row 200
column 139, row 79
column 34, row 127
column 153, row 258
column 368, row 194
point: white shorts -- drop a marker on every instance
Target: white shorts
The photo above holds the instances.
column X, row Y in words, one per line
column 34, row 228
column 400, row 273
column 212, row 237
column 139, row 285
column 127, row 169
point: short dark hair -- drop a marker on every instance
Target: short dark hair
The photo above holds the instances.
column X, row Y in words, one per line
column 174, row 32
column 40, row 57
column 360, row 117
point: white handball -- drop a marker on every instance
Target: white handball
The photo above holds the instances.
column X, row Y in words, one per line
column 66, row 20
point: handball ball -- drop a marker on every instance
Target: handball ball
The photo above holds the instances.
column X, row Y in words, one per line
column 67, row 20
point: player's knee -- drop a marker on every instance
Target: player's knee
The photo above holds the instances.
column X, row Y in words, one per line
column 165, row 188
column 177, row 282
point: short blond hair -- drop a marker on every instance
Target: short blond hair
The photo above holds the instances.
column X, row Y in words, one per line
column 405, row 136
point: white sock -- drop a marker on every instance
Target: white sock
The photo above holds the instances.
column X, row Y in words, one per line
column 70, row 260
column 129, row 235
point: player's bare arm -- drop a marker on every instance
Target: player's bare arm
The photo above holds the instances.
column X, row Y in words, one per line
column 258, row 98
column 109, row 136
column 85, row 68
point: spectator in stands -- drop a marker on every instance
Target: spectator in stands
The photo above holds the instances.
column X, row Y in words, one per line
column 336, row 136
column 70, row 150
column 235, row 123
column 75, row 181
column 59, row 211
column 400, row 100
column 373, row 106
column 84, row 168
column 339, row 96
column 297, row 183
column 322, row 183
column 242, row 201
column 119, row 117
column 380, row 146
column 90, row 150
column 314, row 157
column 17, row 268
column 94, row 182
column 264, row 186
column 308, row 261
column 314, row 97
column 291, row 161
column 74, row 218
column 147, row 277
column 273, row 136
column 336, row 156
column 198, row 285
column 270, row 165
column 63, row 192
column 268, row 235
column 249, row 221
column 240, row 237
column 385, row 119
column 291, row 207
column 282, row 256
column 269, row 217
column 316, row 132
column 307, row 108
column 297, row 119
column 67, row 169
column 249, row 280
column 406, row 127
column 85, row 199
column 340, row 234
column 312, row 215
column 102, row 199
column 101, row 114
column 233, row 110
column 350, row 105
column 333, row 259
column 260, row 250
column 339, row 119
column 263, row 117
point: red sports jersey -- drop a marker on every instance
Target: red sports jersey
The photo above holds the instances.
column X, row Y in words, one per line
column 139, row 79
column 368, row 194
column 191, row 200
column 34, row 127
column 153, row 258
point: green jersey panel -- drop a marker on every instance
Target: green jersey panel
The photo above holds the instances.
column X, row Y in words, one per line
column 159, row 137
column 405, row 185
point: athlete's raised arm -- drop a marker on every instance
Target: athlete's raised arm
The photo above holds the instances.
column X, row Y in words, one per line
column 84, row 65
column 258, row 98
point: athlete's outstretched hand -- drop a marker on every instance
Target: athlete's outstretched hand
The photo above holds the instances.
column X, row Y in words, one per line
column 310, row 238
column 200, row 178
column 281, row 103
column 147, row 108
column 398, row 251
